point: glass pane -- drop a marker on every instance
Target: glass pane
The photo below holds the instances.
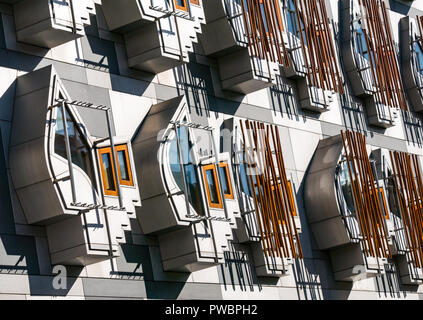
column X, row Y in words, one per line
column 225, row 180
column 360, row 43
column 245, row 184
column 418, row 57
column 192, row 180
column 393, row 198
column 211, row 182
column 123, row 165
column 346, row 187
column 80, row 151
column 109, row 182
column 180, row 3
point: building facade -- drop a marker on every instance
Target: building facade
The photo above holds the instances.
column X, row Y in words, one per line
column 211, row 149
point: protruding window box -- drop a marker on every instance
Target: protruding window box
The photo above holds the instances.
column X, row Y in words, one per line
column 312, row 64
column 381, row 115
column 261, row 211
column 332, row 198
column 411, row 46
column 365, row 66
column 190, row 202
column 296, row 68
column 55, row 176
column 160, row 34
column 48, row 24
column 409, row 274
column 403, row 172
column 225, row 38
column 313, row 98
column 126, row 173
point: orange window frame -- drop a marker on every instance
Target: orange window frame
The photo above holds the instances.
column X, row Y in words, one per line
column 184, row 7
column 229, row 195
column 108, row 150
column 101, row 152
column 213, row 169
column 124, row 148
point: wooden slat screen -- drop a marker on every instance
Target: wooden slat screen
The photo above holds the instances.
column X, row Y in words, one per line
column 383, row 60
column 318, row 46
column 367, row 201
column 409, row 188
column 271, row 192
column 264, row 27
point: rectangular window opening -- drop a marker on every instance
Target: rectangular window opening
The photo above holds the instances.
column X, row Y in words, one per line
column 226, row 180
column 212, row 187
column 181, row 5
column 108, row 172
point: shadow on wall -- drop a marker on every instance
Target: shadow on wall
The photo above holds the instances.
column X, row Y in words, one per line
column 194, row 81
column 284, row 97
column 413, row 128
column 353, row 114
column 143, row 263
column 315, row 280
column 19, row 254
column 238, row 271
column 134, row 261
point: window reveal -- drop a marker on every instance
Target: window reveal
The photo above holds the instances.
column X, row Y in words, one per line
column 189, row 168
column 80, row 150
column 107, row 169
column 181, row 5
column 212, row 186
column 225, row 180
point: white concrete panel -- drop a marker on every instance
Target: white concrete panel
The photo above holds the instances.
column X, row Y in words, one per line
column 14, row 284
column 259, row 98
column 70, row 52
column 256, row 293
column 99, row 270
column 304, row 144
column 128, row 112
column 207, row 275
column 98, row 78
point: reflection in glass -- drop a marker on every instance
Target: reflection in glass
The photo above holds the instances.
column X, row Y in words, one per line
column 109, row 182
column 292, row 20
column 80, row 151
column 392, row 197
column 225, row 180
column 212, row 186
column 123, row 165
column 192, row 180
column 345, row 182
column 246, row 174
column 245, row 185
column 418, row 57
column 360, row 43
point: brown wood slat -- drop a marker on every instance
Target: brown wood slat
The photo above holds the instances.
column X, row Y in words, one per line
column 384, row 64
column 409, row 189
column 318, row 46
column 367, row 201
column 274, row 211
column 264, row 27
